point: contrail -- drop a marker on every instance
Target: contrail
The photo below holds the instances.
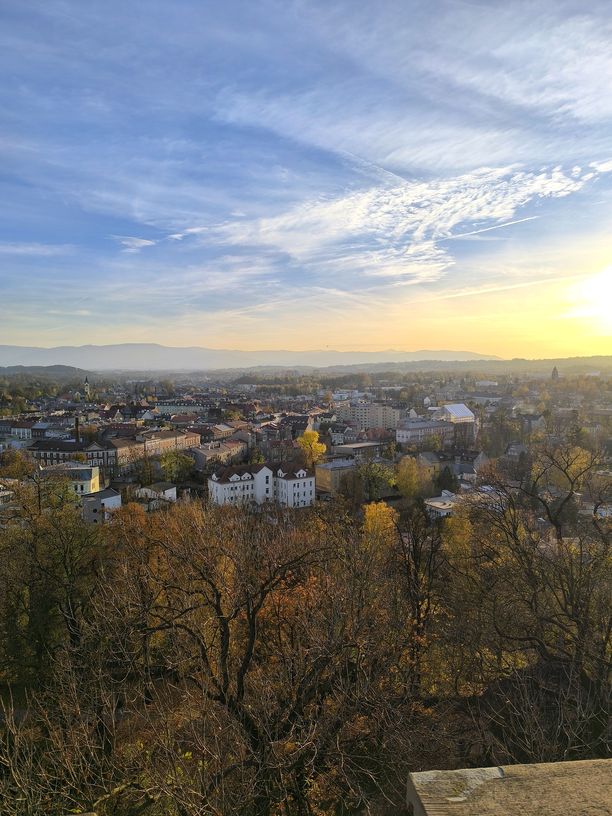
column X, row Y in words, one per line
column 488, row 229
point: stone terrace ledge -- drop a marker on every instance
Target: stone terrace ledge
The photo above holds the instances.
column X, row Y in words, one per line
column 581, row 788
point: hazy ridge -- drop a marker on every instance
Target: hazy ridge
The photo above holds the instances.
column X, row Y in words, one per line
column 154, row 357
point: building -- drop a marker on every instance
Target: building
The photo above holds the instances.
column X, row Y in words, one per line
column 84, row 479
column 289, row 486
column 440, row 506
column 97, row 507
column 461, row 418
column 360, row 451
column 55, row 451
column 578, row 788
column 330, row 476
column 169, row 407
column 118, row 454
column 366, row 415
column 459, row 462
column 418, row 431
column 6, row 493
column 157, row 495
column 22, row 430
column 227, row 452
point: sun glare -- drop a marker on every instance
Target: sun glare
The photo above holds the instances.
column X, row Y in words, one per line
column 592, row 299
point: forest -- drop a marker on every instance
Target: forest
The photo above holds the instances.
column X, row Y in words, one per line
column 264, row 662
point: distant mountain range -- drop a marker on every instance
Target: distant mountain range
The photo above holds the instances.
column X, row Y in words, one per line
column 57, row 373
column 154, row 357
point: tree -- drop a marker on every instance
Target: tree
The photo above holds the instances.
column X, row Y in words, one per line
column 15, row 464
column 176, row 466
column 390, row 450
column 256, row 457
column 144, row 469
column 413, row 480
column 379, row 524
column 311, row 448
column 446, row 480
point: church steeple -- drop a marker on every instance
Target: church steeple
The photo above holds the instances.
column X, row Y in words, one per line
column 87, row 387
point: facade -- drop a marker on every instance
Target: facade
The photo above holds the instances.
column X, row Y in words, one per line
column 417, row 431
column 289, row 486
column 22, row 430
column 169, row 407
column 360, row 451
column 56, row 451
column 366, row 415
column 84, row 479
column 97, row 507
column 329, row 476
column 117, row 453
column 157, row 495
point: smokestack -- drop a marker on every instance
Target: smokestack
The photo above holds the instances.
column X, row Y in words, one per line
column 77, row 431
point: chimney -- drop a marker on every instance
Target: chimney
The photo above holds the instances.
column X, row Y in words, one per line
column 77, row 430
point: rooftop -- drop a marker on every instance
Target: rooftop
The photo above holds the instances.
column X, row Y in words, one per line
column 458, row 410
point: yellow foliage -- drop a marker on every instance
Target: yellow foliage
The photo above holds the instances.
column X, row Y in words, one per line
column 379, row 524
column 312, row 449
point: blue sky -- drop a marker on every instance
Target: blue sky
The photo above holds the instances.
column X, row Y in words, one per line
column 307, row 174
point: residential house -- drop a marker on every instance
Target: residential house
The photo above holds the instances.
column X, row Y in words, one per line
column 84, row 479
column 288, row 486
column 97, row 507
column 157, row 495
column 460, row 462
column 329, row 476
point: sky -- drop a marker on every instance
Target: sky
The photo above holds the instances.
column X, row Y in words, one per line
column 307, row 174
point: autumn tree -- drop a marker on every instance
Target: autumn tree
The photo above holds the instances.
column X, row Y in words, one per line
column 312, row 450
column 176, row 466
column 412, row 479
column 15, row 464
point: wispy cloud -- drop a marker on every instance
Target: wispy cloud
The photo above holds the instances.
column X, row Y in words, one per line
column 394, row 230
column 36, row 250
column 133, row 245
column 315, row 164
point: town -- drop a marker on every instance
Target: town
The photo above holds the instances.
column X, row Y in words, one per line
column 292, row 440
column 215, row 586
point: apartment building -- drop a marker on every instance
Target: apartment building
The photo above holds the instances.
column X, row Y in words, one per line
column 368, row 415
column 417, row 431
column 286, row 485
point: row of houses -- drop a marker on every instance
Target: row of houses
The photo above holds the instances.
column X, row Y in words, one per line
column 117, row 454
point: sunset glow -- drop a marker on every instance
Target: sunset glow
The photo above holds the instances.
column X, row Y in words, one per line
column 308, row 175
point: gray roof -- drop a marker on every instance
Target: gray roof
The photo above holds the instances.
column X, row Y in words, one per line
column 107, row 493
column 161, row 487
